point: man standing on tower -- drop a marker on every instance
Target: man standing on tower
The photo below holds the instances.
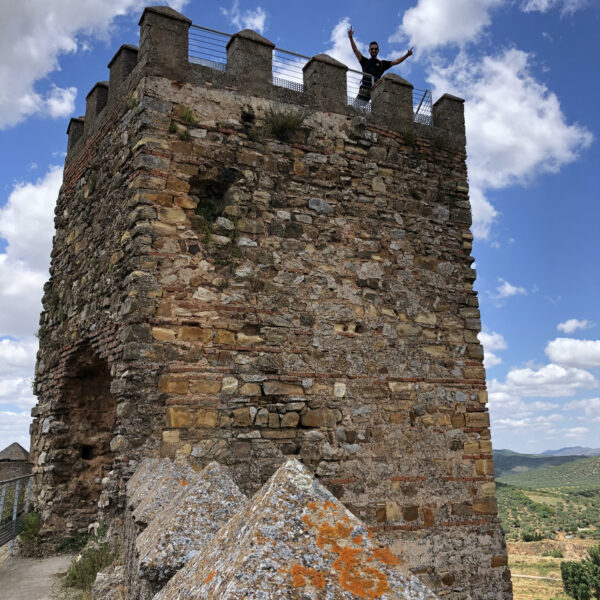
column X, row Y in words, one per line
column 372, row 66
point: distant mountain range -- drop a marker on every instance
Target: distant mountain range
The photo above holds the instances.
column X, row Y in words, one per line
column 573, row 451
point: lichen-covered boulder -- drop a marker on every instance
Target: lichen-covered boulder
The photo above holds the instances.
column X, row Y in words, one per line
column 293, row 540
column 157, row 487
column 146, row 466
column 186, row 524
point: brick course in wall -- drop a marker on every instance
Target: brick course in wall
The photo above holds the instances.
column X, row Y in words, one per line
column 229, row 295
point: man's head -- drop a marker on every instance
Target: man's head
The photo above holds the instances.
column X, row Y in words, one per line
column 373, row 49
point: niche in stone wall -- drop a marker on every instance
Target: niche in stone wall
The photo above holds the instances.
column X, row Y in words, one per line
column 210, row 192
column 88, row 410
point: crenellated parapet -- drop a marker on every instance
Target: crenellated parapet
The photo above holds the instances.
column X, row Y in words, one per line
column 163, row 52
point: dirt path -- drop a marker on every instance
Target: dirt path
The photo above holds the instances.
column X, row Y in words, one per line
column 32, row 578
column 534, row 577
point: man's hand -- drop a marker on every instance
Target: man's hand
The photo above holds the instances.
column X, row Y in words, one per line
column 350, row 32
column 410, row 51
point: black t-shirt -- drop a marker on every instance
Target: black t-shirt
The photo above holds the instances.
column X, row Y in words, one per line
column 375, row 67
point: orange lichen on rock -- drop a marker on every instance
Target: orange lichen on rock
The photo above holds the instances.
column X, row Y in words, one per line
column 356, row 577
column 184, row 482
column 209, row 577
column 352, row 564
column 307, row 521
column 384, row 555
column 300, row 574
column 330, row 534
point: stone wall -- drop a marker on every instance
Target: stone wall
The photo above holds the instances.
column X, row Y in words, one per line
column 11, row 469
column 244, row 294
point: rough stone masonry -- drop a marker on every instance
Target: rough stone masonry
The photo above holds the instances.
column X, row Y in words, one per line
column 226, row 290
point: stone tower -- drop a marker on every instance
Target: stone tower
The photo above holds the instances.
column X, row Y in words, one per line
column 242, row 273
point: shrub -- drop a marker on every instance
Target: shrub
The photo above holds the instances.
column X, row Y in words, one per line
column 581, row 580
column 73, row 543
column 283, row 124
column 32, row 523
column 529, row 535
column 83, row 570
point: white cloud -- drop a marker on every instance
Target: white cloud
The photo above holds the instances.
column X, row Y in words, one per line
column 16, row 391
column 26, row 223
column 550, row 381
column 506, row 290
column 571, row 325
column 434, row 23
column 484, row 213
column 490, row 359
column 250, row 19
column 516, row 129
column 18, row 356
column 32, row 39
column 341, row 49
column 14, row 427
column 545, row 423
column 60, row 102
column 584, row 354
column 577, row 432
column 491, row 341
column 590, row 408
column 566, row 6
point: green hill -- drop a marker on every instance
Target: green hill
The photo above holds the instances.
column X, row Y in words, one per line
column 508, row 462
column 579, row 475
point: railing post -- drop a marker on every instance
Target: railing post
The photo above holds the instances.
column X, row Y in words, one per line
column 325, row 81
column 14, row 518
column 2, row 496
column 250, row 60
column 28, row 494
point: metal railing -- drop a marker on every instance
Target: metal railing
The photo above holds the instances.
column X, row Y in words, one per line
column 287, row 69
column 423, row 107
column 14, row 505
column 207, row 47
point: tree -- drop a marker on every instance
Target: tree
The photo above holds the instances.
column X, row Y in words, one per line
column 581, row 580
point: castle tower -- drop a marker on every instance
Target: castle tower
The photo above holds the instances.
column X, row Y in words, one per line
column 243, row 272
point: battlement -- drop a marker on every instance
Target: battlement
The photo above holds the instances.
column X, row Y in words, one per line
column 164, row 52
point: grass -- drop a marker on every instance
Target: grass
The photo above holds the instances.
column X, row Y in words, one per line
column 83, row 570
column 188, row 116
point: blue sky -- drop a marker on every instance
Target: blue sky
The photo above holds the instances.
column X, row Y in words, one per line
column 528, row 71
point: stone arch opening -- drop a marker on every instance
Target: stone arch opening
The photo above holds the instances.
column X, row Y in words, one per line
column 88, row 411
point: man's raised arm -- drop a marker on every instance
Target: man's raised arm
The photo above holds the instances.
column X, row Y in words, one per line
column 397, row 61
column 353, row 44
